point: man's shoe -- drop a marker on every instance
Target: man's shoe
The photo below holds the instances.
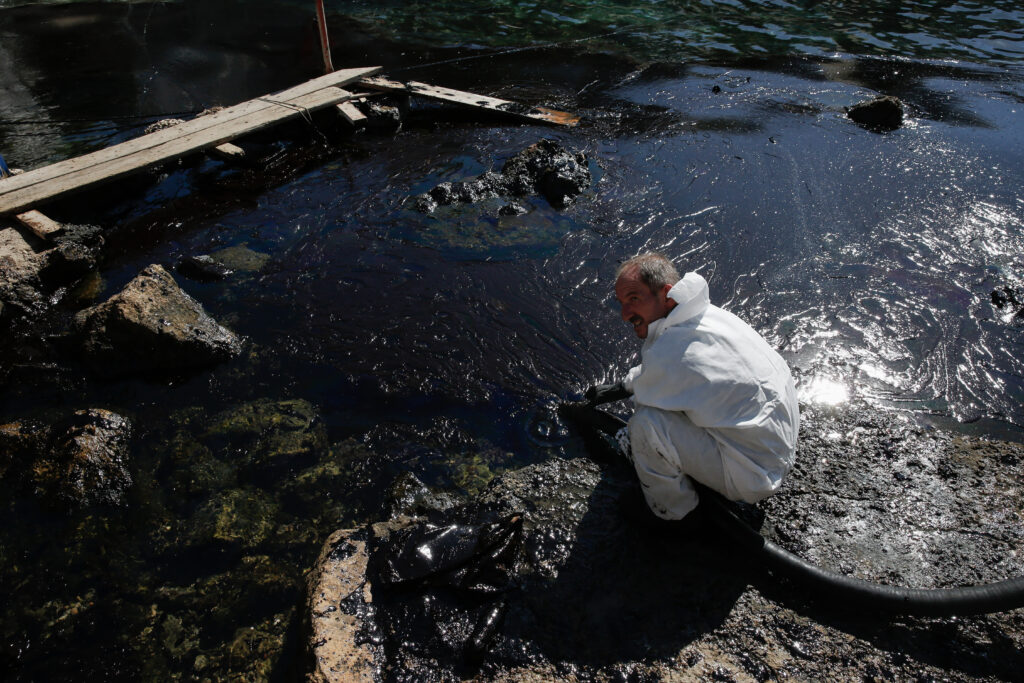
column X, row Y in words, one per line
column 634, row 508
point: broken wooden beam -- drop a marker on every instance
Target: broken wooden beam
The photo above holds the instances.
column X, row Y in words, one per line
column 28, row 189
column 350, row 112
column 41, row 226
column 229, row 152
column 542, row 114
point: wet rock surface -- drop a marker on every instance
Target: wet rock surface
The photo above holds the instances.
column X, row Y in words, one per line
column 79, row 462
column 881, row 114
column 545, row 168
column 220, row 594
column 20, row 267
column 30, row 268
column 875, row 495
column 152, row 326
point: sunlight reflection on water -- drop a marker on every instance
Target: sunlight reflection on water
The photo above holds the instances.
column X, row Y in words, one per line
column 823, row 391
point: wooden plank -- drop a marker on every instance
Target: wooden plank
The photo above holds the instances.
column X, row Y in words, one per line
column 138, row 159
column 25, row 190
column 159, row 137
column 473, row 100
column 351, row 113
column 230, row 152
column 42, row 226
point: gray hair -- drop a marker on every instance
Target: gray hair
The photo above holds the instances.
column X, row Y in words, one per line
column 652, row 268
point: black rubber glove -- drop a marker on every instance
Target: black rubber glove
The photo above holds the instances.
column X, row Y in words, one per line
column 605, row 393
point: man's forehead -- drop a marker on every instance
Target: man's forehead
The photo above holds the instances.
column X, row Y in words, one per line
column 629, row 281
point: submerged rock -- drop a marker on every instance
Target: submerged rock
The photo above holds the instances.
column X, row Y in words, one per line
column 883, row 113
column 240, row 257
column 152, row 326
column 203, row 268
column 278, row 438
column 236, row 518
column 21, row 443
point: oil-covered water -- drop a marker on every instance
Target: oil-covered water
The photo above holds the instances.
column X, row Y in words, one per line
column 384, row 340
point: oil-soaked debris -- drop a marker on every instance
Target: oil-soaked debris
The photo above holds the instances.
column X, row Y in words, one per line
column 203, row 268
column 162, row 124
column 883, row 113
column 78, row 462
column 478, row 558
column 1007, row 297
column 512, row 209
column 408, row 496
column 152, row 327
column 549, row 169
column 463, row 571
column 545, row 168
column 599, row 598
column 381, row 115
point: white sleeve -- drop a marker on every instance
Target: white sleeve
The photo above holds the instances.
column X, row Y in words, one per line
column 631, row 377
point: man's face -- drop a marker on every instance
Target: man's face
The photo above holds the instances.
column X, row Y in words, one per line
column 640, row 306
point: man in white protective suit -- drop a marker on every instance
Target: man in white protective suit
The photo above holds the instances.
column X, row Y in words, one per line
column 713, row 401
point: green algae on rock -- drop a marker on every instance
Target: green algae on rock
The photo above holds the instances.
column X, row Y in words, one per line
column 275, row 437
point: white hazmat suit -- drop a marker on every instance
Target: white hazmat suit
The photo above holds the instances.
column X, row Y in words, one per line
column 714, row 402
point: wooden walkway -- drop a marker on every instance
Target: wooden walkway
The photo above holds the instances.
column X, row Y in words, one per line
column 20, row 193
column 27, row 190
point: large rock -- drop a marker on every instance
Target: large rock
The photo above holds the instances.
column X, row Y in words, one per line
column 81, row 461
column 20, row 268
column 92, row 458
column 874, row 495
column 152, row 327
column 29, row 265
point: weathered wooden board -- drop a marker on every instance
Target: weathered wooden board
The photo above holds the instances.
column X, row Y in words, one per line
column 229, row 152
column 351, row 113
column 32, row 187
column 43, row 227
column 473, row 100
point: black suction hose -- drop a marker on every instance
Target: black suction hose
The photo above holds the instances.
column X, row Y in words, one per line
column 845, row 591
column 828, row 586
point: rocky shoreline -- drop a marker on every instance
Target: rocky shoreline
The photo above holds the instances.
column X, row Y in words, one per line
column 875, row 495
column 231, row 505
